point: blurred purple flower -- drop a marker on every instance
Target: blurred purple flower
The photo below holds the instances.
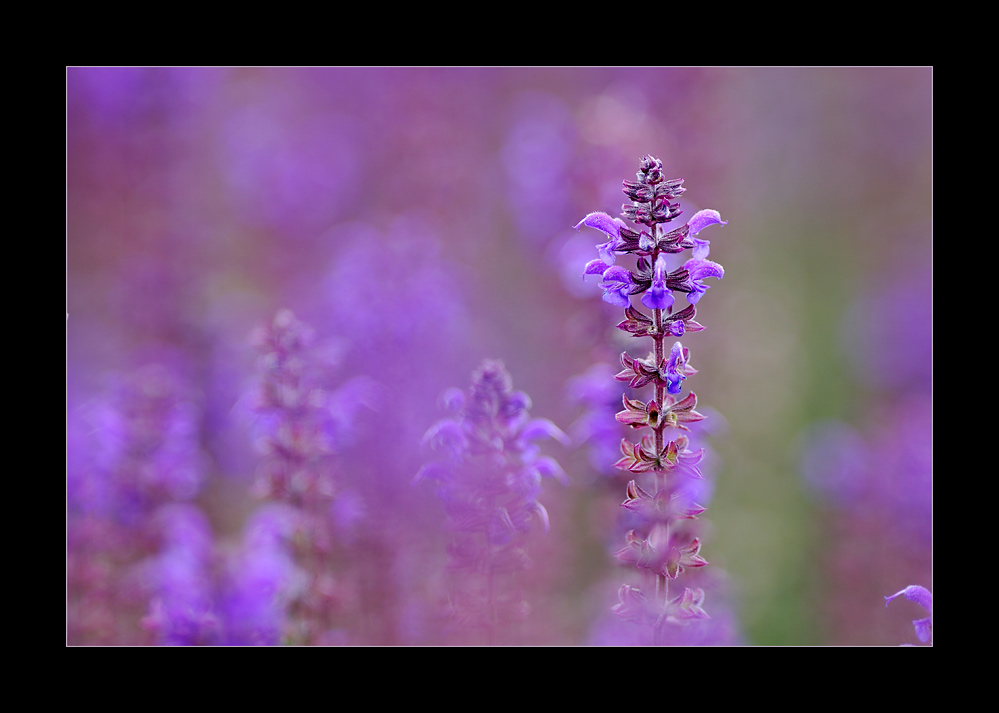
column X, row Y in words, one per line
column 182, row 609
column 537, row 159
column 292, row 173
column 661, row 552
column 301, row 420
column 889, row 331
column 144, row 448
column 834, row 461
column 262, row 579
column 884, row 474
column 291, row 414
column 488, row 475
column 635, row 614
column 595, row 393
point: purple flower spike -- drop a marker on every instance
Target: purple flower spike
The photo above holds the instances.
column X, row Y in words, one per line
column 611, row 227
column 657, row 296
column 664, row 463
column 698, row 270
column 617, row 284
column 696, row 224
column 922, row 597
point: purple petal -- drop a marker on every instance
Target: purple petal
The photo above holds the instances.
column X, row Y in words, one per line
column 619, row 275
column 657, row 298
column 453, row 400
column 922, row 597
column 617, row 297
column 924, row 628
column 699, row 269
column 606, row 251
column 604, row 223
column 701, row 248
column 675, row 368
column 616, row 285
column 702, row 219
column 917, row 594
column 595, row 267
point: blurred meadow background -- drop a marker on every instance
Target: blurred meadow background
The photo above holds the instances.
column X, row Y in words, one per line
column 419, row 221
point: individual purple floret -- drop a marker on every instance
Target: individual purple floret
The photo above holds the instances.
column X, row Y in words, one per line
column 609, row 226
column 696, row 224
column 488, row 473
column 697, row 271
column 922, row 597
column 617, row 285
column 675, row 368
column 658, row 297
column 662, row 546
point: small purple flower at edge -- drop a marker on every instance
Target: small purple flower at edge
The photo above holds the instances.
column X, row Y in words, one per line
column 922, row 597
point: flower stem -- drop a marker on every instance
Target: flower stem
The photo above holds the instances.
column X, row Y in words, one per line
column 662, row 583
